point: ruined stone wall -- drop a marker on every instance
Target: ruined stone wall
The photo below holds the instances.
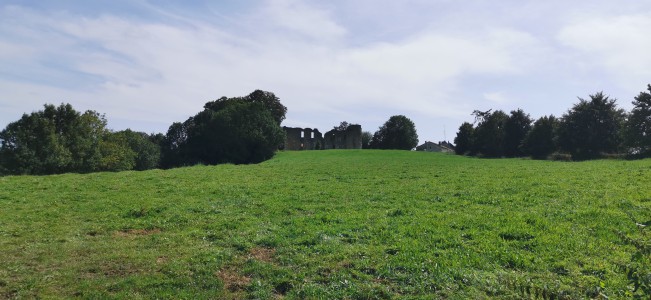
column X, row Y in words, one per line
column 292, row 138
column 312, row 139
column 302, row 139
column 351, row 138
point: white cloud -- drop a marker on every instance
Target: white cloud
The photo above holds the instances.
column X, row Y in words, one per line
column 434, row 56
column 496, row 97
column 164, row 69
column 299, row 17
column 618, row 44
column 154, row 71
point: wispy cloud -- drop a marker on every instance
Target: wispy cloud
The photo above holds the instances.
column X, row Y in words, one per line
column 619, row 45
column 496, row 97
column 155, row 70
column 300, row 18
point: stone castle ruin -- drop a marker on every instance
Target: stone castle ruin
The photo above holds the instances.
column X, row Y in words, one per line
column 312, row 139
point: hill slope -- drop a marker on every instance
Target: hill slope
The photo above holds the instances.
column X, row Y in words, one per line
column 330, row 224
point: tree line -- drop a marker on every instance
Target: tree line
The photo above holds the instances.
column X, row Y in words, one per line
column 59, row 139
column 592, row 128
column 238, row 130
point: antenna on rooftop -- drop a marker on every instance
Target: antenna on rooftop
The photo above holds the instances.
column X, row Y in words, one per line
column 445, row 138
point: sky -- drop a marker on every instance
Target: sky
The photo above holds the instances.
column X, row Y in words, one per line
column 146, row 64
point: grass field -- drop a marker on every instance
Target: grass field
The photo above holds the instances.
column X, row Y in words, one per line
column 332, row 224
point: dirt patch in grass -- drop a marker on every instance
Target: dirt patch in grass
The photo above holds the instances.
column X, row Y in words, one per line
column 262, row 254
column 113, row 268
column 120, row 271
column 136, row 232
column 232, row 280
column 10, row 294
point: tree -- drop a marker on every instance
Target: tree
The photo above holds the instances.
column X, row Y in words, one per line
column 399, row 132
column 173, row 146
column 516, row 128
column 539, row 142
column 270, row 102
column 480, row 116
column 591, row 128
column 84, row 142
column 638, row 126
column 266, row 99
column 342, row 126
column 156, row 138
column 228, row 130
column 54, row 140
column 464, row 140
column 31, row 146
column 116, row 153
column 240, row 133
column 489, row 134
column 366, row 139
column 145, row 147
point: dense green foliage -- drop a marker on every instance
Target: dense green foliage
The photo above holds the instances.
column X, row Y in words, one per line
column 116, row 155
column 367, row 136
column 539, row 141
column 229, row 130
column 332, row 224
column 464, row 140
column 489, row 134
column 516, row 128
column 146, row 147
column 399, row 132
column 591, row 128
column 129, row 150
column 638, row 126
column 53, row 140
column 61, row 140
column 268, row 100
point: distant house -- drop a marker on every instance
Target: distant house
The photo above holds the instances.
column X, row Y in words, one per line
column 436, row 147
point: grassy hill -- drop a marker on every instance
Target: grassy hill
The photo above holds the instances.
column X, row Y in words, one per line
column 331, row 224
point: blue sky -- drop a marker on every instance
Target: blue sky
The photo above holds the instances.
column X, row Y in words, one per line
column 146, row 64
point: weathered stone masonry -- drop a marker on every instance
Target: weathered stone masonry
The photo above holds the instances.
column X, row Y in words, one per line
column 302, row 139
column 351, row 138
column 312, row 139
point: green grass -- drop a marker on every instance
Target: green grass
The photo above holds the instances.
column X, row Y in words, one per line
column 331, row 224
